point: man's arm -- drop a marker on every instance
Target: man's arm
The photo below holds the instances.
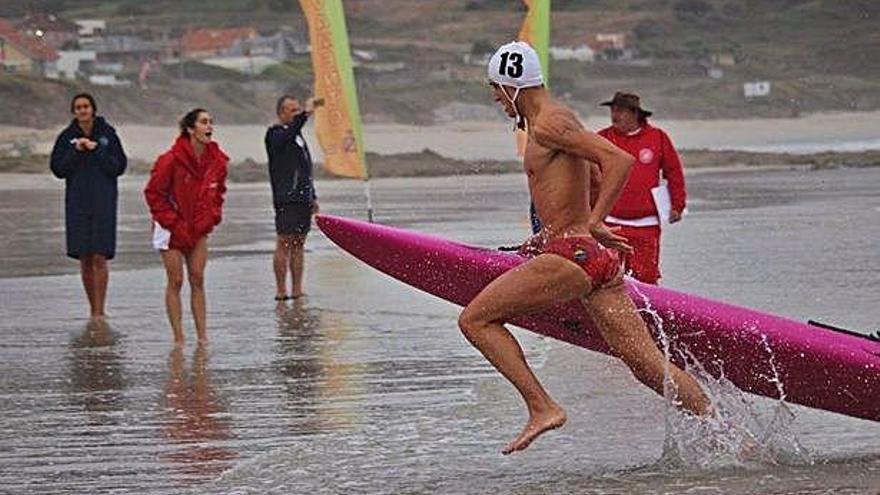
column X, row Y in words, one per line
column 562, row 131
column 670, row 163
column 278, row 136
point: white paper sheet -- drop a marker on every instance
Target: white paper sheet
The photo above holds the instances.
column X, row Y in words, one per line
column 161, row 237
column 663, row 202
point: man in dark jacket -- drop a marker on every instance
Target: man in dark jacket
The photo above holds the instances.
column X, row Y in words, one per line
column 293, row 191
column 89, row 157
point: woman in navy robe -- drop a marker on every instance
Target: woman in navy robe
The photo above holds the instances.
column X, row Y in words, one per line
column 89, row 157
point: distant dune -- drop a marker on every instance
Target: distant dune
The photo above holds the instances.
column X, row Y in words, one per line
column 429, row 164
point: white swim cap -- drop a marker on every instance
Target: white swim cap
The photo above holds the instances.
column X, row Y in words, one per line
column 516, row 64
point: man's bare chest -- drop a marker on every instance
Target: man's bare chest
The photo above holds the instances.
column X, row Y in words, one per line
column 537, row 158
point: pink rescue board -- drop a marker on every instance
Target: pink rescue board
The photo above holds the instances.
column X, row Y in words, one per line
column 818, row 368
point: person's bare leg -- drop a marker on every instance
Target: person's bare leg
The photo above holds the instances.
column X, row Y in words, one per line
column 87, row 273
column 196, row 260
column 540, row 283
column 100, row 280
column 173, row 261
column 626, row 333
column 297, row 263
column 280, row 264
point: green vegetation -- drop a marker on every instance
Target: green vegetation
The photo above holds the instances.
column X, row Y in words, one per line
column 32, row 102
column 197, row 71
column 295, row 70
column 819, row 55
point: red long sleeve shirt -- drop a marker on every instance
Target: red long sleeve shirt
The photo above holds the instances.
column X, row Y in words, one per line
column 653, row 151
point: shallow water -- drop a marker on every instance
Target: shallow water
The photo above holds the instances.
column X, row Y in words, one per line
column 366, row 386
column 493, row 140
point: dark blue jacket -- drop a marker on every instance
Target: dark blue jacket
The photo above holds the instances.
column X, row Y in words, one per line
column 91, row 193
column 290, row 163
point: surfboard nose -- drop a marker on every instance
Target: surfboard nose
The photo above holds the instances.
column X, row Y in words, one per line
column 343, row 231
column 330, row 225
column 333, row 222
column 321, row 220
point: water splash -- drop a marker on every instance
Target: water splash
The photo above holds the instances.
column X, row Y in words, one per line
column 740, row 433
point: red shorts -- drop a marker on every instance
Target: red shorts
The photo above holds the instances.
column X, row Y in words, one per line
column 600, row 264
column 644, row 261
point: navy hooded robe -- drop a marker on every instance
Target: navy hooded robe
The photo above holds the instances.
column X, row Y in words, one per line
column 91, row 192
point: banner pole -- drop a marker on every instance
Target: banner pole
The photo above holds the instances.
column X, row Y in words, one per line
column 369, row 199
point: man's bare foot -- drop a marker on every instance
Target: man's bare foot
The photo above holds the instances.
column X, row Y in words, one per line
column 538, row 424
column 297, row 295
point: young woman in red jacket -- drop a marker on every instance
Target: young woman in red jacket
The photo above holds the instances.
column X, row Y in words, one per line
column 185, row 196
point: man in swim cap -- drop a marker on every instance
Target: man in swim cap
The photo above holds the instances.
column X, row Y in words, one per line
column 580, row 256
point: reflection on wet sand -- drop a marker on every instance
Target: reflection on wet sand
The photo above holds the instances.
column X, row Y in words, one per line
column 367, row 386
column 318, row 384
column 298, row 330
column 196, row 419
column 97, row 377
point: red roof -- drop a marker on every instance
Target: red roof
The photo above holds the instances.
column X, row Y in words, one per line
column 31, row 46
column 206, row 40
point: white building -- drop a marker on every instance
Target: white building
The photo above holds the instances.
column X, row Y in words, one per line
column 90, row 28
column 70, row 62
column 581, row 53
column 108, row 80
column 756, row 89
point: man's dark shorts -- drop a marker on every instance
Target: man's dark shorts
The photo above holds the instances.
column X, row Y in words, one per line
column 293, row 218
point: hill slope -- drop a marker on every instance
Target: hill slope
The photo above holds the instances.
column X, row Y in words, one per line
column 819, row 54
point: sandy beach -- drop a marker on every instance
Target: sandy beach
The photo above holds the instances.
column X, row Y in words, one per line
column 492, row 140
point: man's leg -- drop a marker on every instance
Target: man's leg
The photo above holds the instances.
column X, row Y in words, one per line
column 100, row 279
column 173, row 261
column 196, row 260
column 626, row 333
column 297, row 263
column 280, row 264
column 542, row 282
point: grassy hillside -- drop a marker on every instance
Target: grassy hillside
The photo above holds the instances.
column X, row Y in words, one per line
column 819, row 54
column 791, row 36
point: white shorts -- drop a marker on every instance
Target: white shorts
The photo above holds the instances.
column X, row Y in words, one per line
column 161, row 237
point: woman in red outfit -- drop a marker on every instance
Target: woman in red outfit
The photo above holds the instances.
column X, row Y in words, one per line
column 185, row 196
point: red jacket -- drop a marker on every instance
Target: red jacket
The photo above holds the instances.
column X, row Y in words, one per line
column 185, row 193
column 653, row 151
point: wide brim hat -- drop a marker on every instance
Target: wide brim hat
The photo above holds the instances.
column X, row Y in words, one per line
column 627, row 100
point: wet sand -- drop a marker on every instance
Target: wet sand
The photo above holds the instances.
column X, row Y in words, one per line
column 366, row 386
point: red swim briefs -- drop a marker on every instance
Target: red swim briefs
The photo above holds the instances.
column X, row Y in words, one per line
column 602, row 265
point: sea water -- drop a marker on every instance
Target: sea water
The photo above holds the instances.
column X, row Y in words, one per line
column 367, row 386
